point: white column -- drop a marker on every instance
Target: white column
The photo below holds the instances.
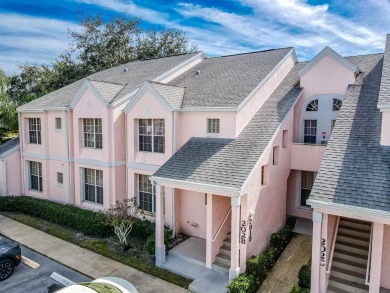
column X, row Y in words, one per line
column 160, row 246
column 323, row 252
column 235, row 241
column 376, row 257
column 209, row 230
column 316, row 252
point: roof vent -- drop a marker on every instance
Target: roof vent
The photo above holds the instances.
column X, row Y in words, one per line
column 125, row 69
column 197, row 72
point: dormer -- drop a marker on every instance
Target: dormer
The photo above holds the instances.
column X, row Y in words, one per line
column 327, row 73
column 384, row 95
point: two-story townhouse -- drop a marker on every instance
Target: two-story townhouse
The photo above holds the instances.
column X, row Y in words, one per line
column 224, row 149
column 72, row 140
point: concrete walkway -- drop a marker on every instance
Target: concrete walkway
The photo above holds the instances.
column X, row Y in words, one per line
column 84, row 261
column 285, row 272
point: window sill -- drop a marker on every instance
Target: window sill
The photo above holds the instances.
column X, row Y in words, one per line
column 92, row 203
column 149, row 214
column 146, row 152
column 304, row 208
column 61, row 185
column 58, row 130
column 215, row 135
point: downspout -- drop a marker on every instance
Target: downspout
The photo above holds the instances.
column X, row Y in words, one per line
column 127, row 169
column 4, row 177
column 173, row 189
column 67, row 156
column 21, row 136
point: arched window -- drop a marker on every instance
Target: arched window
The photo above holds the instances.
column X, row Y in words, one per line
column 337, row 104
column 312, row 106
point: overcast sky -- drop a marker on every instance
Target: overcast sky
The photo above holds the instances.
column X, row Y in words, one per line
column 35, row 31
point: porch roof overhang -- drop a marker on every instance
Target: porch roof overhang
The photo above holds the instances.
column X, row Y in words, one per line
column 360, row 213
column 196, row 186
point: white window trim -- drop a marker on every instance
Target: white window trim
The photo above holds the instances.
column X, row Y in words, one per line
column 29, row 177
column 59, row 183
column 55, row 124
column 82, row 172
column 298, row 197
column 149, row 213
column 38, row 133
column 94, row 133
column 153, row 135
column 213, row 134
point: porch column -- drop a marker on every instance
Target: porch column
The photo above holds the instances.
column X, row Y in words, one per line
column 235, row 241
column 209, row 230
column 160, row 246
column 316, row 252
column 376, row 257
column 324, row 253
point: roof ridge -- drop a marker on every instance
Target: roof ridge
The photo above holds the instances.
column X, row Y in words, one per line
column 170, row 85
column 253, row 52
column 114, row 83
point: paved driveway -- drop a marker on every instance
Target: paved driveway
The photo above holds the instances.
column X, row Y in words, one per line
column 26, row 279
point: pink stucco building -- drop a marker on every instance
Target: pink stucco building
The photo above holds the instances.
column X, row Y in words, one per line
column 224, row 149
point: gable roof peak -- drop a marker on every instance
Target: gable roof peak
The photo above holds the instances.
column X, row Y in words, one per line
column 328, row 51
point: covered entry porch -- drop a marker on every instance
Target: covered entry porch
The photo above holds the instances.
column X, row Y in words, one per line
column 215, row 235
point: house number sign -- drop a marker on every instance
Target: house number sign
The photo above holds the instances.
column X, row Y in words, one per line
column 250, row 227
column 323, row 251
column 243, row 232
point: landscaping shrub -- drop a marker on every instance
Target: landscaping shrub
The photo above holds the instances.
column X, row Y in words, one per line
column 150, row 243
column 243, row 283
column 304, row 276
column 85, row 221
column 259, row 266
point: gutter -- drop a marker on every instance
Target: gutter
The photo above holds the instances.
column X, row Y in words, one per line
column 174, row 189
column 21, row 135
column 67, row 156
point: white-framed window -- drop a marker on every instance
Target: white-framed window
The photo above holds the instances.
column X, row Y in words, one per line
column 34, row 130
column 93, row 137
column 58, row 123
column 146, row 194
column 310, row 131
column 307, row 181
column 60, row 178
column 336, row 104
column 312, row 106
column 93, row 185
column 151, row 135
column 212, row 125
column 35, row 175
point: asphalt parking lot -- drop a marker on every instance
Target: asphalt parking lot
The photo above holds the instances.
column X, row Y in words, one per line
column 26, row 279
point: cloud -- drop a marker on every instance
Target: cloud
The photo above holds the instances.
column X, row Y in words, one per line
column 31, row 39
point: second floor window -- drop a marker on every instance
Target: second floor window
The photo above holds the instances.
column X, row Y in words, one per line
column 151, row 135
column 35, row 170
column 58, row 123
column 34, row 130
column 212, row 125
column 93, row 137
column 310, row 131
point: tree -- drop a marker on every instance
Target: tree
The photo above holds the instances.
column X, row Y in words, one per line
column 97, row 46
column 121, row 217
column 8, row 117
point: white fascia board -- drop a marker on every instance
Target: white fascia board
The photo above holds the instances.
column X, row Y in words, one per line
column 366, row 214
column 198, row 187
column 81, row 91
column 146, row 87
column 269, row 143
column 124, row 99
column 178, row 67
column 384, row 107
column 208, row 109
column 10, row 151
column 327, row 51
column 265, row 79
column 30, row 111
column 50, row 109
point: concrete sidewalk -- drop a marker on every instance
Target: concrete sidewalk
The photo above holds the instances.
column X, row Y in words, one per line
column 84, row 261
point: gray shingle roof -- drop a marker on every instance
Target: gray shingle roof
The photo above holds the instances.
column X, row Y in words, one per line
column 107, row 90
column 226, row 81
column 172, row 94
column 355, row 170
column 9, row 145
column 384, row 94
column 132, row 78
column 227, row 164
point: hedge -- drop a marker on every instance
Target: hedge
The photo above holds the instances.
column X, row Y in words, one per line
column 81, row 220
column 258, row 267
column 304, row 279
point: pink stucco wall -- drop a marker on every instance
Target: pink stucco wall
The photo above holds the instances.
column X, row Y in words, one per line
column 268, row 203
column 307, row 157
column 385, row 280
